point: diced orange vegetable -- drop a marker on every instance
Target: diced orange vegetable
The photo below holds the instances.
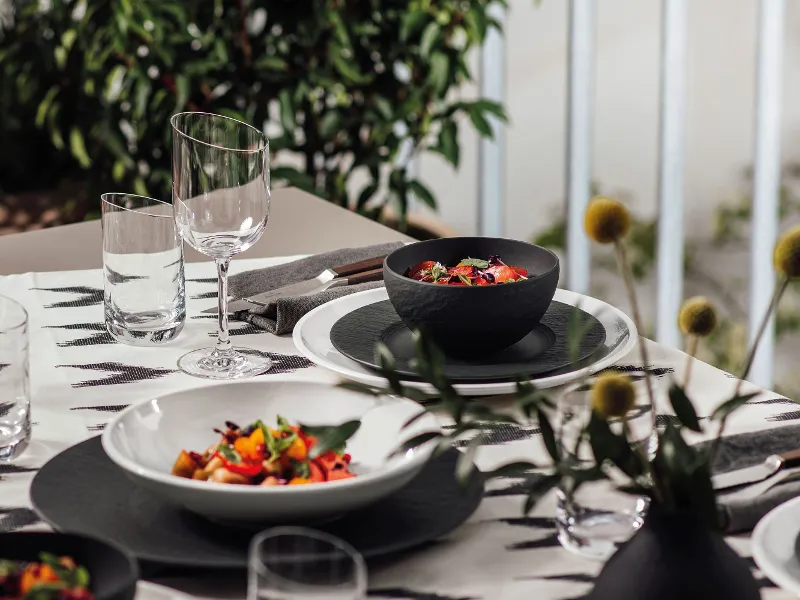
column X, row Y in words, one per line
column 35, row 574
column 184, row 466
column 257, row 437
column 298, row 450
column 299, row 481
column 246, row 448
column 317, row 473
column 335, row 474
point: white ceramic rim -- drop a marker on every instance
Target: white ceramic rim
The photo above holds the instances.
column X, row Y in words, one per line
column 414, row 457
column 787, row 516
column 358, row 373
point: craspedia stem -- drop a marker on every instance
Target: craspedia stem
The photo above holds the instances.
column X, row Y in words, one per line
column 625, row 271
column 691, row 350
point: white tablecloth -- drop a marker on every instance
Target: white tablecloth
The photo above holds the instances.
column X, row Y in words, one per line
column 80, row 378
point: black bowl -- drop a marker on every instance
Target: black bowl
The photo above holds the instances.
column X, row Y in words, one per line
column 113, row 571
column 472, row 321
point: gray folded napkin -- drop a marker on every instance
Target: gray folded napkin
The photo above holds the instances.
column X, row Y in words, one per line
column 744, row 450
column 281, row 315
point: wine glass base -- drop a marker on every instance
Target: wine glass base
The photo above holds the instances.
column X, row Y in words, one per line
column 236, row 363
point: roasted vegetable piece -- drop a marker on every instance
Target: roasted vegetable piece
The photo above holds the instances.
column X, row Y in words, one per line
column 185, row 465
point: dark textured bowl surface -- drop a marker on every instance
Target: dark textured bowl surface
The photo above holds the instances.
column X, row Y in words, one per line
column 472, row 321
column 113, row 571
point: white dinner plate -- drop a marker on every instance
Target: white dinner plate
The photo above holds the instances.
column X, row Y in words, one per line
column 774, row 540
column 146, row 438
column 312, row 336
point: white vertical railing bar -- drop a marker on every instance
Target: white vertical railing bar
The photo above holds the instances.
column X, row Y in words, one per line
column 580, row 98
column 671, row 170
column 766, row 182
column 491, row 194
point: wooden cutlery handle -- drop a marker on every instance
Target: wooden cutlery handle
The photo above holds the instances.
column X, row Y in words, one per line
column 791, row 458
column 365, row 277
column 361, row 266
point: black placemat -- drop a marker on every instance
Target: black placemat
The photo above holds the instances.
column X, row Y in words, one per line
column 542, row 352
column 82, row 491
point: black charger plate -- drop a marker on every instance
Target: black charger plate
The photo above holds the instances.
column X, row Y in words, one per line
column 543, row 351
column 82, row 491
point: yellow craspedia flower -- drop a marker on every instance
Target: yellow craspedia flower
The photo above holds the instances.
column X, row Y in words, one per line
column 786, row 256
column 613, row 395
column 697, row 317
column 607, row 220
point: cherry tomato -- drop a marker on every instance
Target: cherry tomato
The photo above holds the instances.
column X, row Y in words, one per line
column 416, row 271
column 503, row 274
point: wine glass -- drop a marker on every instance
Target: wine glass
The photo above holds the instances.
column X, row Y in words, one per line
column 220, row 188
column 296, row 563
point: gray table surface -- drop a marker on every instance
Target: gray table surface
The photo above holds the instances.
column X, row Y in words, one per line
column 299, row 223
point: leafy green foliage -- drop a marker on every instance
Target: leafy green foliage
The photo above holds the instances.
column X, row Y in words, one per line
column 684, row 409
column 350, row 88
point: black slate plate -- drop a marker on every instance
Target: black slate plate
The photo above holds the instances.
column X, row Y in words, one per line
column 112, row 571
column 542, row 352
column 82, row 491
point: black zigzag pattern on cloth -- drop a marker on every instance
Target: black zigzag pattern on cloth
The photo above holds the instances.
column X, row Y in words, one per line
column 116, row 278
column 14, row 470
column 119, row 373
column 204, row 280
column 245, row 329
column 95, row 428
column 494, row 434
column 98, row 339
column 204, row 296
column 793, row 415
column 12, row 519
column 4, row 365
column 407, row 594
column 89, row 296
column 5, row 408
column 111, row 408
column 633, row 369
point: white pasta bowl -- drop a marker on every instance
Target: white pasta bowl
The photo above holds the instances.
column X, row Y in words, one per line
column 145, row 439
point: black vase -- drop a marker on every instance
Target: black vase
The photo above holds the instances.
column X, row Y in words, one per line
column 675, row 557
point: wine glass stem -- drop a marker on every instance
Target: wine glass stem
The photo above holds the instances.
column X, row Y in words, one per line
column 223, row 340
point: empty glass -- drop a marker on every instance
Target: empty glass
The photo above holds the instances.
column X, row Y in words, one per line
column 143, row 280
column 294, row 563
column 15, row 416
column 597, row 517
column 220, row 187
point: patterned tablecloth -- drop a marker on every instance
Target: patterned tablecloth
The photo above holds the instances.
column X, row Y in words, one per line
column 80, row 378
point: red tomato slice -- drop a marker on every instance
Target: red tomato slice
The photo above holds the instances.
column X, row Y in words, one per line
column 502, row 274
column 461, row 270
column 317, row 473
column 521, row 271
column 479, row 281
column 416, row 270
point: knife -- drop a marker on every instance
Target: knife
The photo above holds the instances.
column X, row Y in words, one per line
column 362, row 271
column 760, row 472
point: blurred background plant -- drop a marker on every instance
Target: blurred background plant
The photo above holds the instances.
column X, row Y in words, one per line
column 348, row 91
column 725, row 347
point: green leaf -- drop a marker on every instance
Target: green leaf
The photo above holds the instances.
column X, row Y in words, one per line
column 440, row 72
column 68, row 38
column 538, row 490
column 348, row 69
column 384, row 107
column 548, row 435
column 491, row 107
column 447, row 144
column 417, row 440
column 412, row 22
column 139, row 186
column 181, row 91
column 429, row 38
column 227, row 452
column 60, row 55
column 422, row 193
column 474, row 262
column 301, row 468
column 366, row 195
column 607, row 446
column 44, row 105
column 78, row 148
column 271, row 63
column 465, row 465
column 481, row 124
column 330, row 123
column 293, row 177
column 726, row 408
column 143, row 88
column 683, row 408
column 287, row 112
column 118, row 170
column 331, row 437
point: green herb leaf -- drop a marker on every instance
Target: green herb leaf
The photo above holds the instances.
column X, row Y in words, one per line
column 515, row 469
column 82, row 578
column 229, row 453
column 683, row 408
column 330, row 437
column 464, row 279
column 548, row 435
column 465, row 465
column 607, row 446
column 301, row 469
column 417, row 440
column 474, row 262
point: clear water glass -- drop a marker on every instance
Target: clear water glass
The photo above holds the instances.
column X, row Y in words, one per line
column 593, row 520
column 220, row 188
column 15, row 405
column 294, row 563
column 143, row 270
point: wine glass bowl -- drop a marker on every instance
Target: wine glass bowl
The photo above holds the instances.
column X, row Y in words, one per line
column 220, row 186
